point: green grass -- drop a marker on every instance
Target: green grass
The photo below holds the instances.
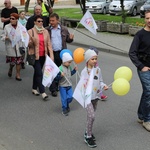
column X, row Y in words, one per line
column 76, row 13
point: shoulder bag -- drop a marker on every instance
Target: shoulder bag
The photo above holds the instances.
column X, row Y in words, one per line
column 31, row 57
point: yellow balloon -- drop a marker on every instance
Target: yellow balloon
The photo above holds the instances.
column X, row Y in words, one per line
column 123, row 72
column 121, row 86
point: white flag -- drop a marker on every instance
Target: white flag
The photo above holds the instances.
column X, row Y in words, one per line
column 24, row 34
column 19, row 34
column 88, row 22
column 50, row 72
column 83, row 90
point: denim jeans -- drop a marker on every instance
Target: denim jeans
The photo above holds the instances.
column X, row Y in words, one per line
column 66, row 96
column 144, row 106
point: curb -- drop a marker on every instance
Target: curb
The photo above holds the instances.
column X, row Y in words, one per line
column 102, row 49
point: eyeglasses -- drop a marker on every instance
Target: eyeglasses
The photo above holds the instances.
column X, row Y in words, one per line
column 5, row 3
column 40, row 21
column 12, row 19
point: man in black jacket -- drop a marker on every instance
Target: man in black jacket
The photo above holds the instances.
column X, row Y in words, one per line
column 60, row 36
column 139, row 54
column 37, row 11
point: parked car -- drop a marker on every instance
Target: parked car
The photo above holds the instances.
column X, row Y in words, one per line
column 98, row 6
column 132, row 7
column 144, row 7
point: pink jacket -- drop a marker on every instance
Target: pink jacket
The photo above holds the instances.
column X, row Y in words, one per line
column 34, row 43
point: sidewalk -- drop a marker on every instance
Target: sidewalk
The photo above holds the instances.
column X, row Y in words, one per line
column 104, row 41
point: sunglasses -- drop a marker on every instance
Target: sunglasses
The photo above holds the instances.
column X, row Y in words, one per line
column 12, row 19
column 40, row 21
column 5, row 3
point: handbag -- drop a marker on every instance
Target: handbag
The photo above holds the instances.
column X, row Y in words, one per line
column 31, row 57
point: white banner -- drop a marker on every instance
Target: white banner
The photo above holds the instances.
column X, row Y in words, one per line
column 50, row 72
column 88, row 22
column 83, row 90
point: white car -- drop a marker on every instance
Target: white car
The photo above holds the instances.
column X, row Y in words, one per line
column 131, row 7
column 98, row 6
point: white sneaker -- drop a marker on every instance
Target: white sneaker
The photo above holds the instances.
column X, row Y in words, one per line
column 35, row 92
column 146, row 125
column 44, row 96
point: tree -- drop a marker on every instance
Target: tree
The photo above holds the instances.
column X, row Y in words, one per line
column 27, row 5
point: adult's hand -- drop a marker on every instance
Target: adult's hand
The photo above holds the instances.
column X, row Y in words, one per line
column 145, row 69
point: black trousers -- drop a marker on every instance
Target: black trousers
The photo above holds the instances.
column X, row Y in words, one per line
column 38, row 75
column 58, row 62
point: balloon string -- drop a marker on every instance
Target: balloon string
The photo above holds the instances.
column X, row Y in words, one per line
column 76, row 79
column 76, row 70
column 109, row 86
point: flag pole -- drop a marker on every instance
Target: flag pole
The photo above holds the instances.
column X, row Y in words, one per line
column 76, row 28
column 66, row 78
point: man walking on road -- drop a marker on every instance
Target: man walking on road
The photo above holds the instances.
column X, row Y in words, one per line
column 139, row 53
column 60, row 36
column 5, row 14
column 37, row 11
column 46, row 10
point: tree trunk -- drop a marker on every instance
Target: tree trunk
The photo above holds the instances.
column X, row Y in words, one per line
column 82, row 5
column 123, row 11
column 27, row 5
column 50, row 3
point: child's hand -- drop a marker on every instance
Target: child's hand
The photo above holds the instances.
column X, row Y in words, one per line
column 76, row 68
column 105, row 87
column 62, row 74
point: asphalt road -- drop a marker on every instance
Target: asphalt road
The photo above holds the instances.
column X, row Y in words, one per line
column 28, row 123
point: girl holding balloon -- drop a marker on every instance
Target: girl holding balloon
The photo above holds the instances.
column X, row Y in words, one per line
column 102, row 96
column 91, row 61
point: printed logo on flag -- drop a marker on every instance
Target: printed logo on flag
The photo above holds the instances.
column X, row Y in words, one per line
column 89, row 21
column 47, row 72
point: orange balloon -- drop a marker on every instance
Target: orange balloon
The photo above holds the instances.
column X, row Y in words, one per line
column 78, row 55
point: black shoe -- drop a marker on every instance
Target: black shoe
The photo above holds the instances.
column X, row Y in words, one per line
column 54, row 94
column 85, row 135
column 68, row 109
column 65, row 112
column 90, row 142
column 18, row 79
